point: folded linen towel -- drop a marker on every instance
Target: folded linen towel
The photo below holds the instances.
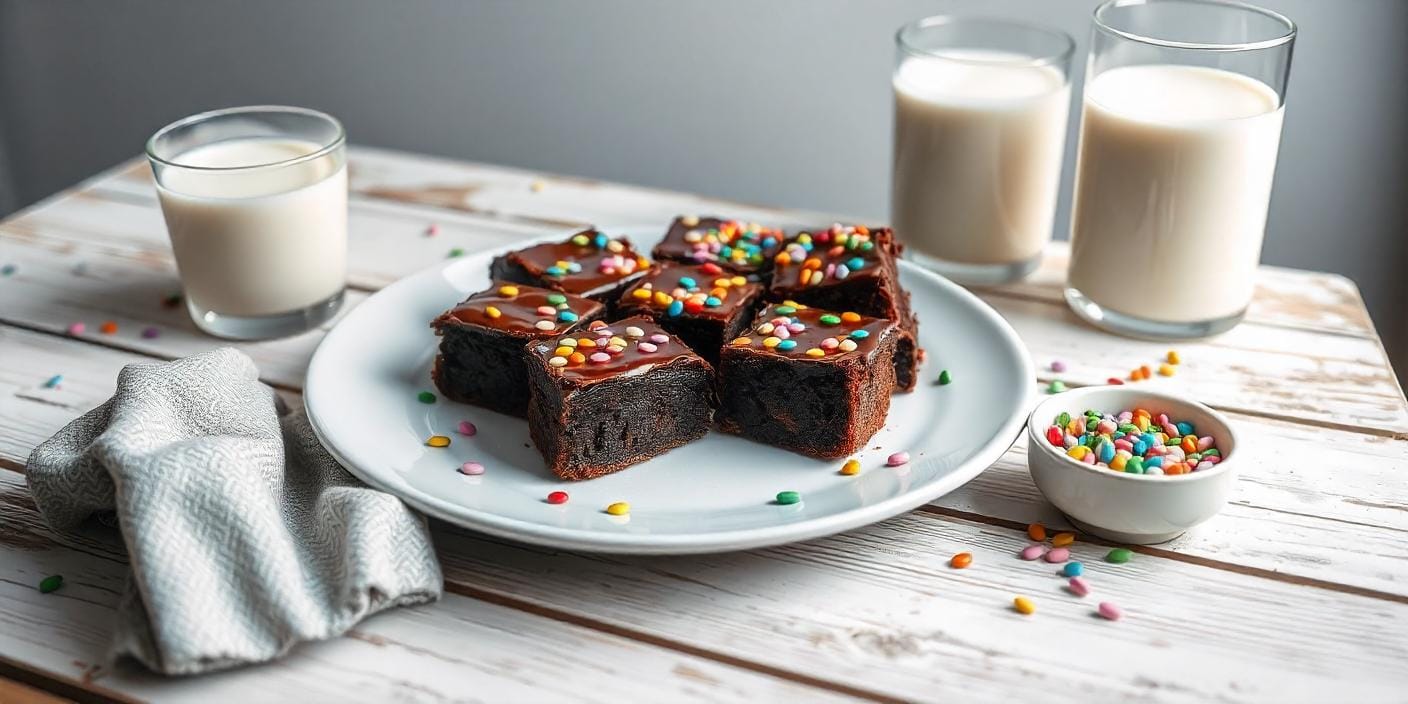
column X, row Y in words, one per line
column 245, row 537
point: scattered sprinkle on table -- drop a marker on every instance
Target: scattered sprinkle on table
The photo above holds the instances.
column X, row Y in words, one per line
column 1058, row 366
column 425, row 397
column 945, row 378
column 438, row 441
column 961, row 560
column 851, row 467
column 51, row 583
column 472, row 469
column 1166, row 370
column 897, row 459
column 1078, row 586
column 1110, row 611
column 467, row 428
column 1134, row 442
column 432, row 230
column 537, row 185
column 1056, row 386
column 787, row 498
column 1057, row 555
column 1037, row 532
column 456, row 252
column 108, row 328
column 150, row 333
column 54, row 381
column 1032, row 552
column 1024, row 606
column 76, row 328
column 557, row 497
column 7, row 270
column 1172, row 357
column 620, row 508
column 1119, row 556
column 1113, row 381
column 1073, row 569
column 1061, row 540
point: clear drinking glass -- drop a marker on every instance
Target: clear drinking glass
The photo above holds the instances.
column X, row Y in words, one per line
column 1179, row 133
column 980, row 128
column 255, row 200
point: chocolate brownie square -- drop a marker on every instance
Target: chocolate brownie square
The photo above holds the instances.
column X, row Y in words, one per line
column 481, row 341
column 808, row 380
column 615, row 395
column 587, row 264
column 702, row 304
column 744, row 247
column 851, row 268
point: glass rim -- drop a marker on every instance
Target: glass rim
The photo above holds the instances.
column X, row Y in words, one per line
column 338, row 140
column 1056, row 58
column 1286, row 37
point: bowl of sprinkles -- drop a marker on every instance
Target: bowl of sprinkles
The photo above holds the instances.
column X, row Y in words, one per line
column 1131, row 465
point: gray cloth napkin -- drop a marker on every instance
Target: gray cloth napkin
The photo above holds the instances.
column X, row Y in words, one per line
column 245, row 537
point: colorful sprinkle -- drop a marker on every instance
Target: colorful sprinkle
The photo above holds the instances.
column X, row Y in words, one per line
column 945, row 378
column 472, row 469
column 897, row 459
column 1166, row 370
column 545, row 325
column 1061, row 540
column 787, row 498
column 1058, row 366
column 51, row 583
column 150, row 333
column 1057, row 555
column 425, row 397
column 851, row 467
column 1024, row 606
column 646, row 347
column 1056, row 386
column 7, row 270
column 432, row 230
column 492, row 312
column 438, row 441
column 1073, row 569
column 1032, row 552
column 557, row 497
column 108, row 328
column 961, row 560
column 54, row 381
column 467, row 428
column 557, row 361
column 1173, row 357
column 76, row 328
column 1037, row 532
column 1078, row 585
column 1119, row 556
column 456, row 252
column 1109, row 611
column 620, row 508
column 1134, row 441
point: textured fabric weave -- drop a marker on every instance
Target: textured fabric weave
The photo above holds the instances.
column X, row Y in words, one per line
column 244, row 535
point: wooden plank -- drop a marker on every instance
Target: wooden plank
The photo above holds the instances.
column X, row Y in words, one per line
column 12, row 692
column 456, row 650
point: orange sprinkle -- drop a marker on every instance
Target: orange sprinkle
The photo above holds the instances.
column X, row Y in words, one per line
column 850, row 317
column 1037, row 532
column 961, row 560
column 577, row 358
column 1145, row 372
column 1061, row 540
column 108, row 328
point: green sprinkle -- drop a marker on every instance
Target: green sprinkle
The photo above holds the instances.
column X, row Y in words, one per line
column 456, row 252
column 1056, row 387
column 1134, row 465
column 785, row 498
column 784, row 310
column 830, row 319
column 426, row 397
column 1119, row 556
column 51, row 583
column 945, row 378
column 556, row 299
column 1063, row 420
column 7, row 269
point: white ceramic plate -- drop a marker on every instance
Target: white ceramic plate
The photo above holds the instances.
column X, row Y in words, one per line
column 712, row 495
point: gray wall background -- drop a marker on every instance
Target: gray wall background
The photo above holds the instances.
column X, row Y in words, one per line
column 784, row 102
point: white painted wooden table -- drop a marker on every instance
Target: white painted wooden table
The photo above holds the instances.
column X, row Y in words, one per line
column 1298, row 591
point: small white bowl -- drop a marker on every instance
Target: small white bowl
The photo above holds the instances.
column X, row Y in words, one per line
column 1140, row 509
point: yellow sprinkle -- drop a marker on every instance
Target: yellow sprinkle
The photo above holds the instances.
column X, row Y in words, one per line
column 852, row 466
column 558, row 361
column 620, row 508
column 766, row 328
column 563, row 351
column 617, row 341
column 492, row 312
column 722, row 283
column 771, row 342
column 1061, row 540
column 1173, row 357
column 816, row 352
column 1118, row 463
column 663, row 299
column 740, row 341
column 794, row 304
column 509, row 291
column 1166, row 370
column 567, row 342
column 738, row 281
column 641, row 293
column 850, row 317
column 537, row 186
column 1078, row 452
column 1024, row 606
column 438, row 441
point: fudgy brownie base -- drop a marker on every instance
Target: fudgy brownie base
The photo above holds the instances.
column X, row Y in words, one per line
column 593, row 418
column 825, row 405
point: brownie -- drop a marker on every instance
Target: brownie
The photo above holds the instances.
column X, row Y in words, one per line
column 808, row 380
column 702, row 304
column 588, row 264
column 481, row 341
column 744, row 247
column 851, row 268
column 612, row 396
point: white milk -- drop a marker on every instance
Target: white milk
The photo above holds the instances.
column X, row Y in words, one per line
column 1172, row 186
column 257, row 242
column 977, row 158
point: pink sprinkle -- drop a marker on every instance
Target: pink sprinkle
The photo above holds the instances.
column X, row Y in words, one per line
column 1204, row 443
column 1032, row 552
column 150, row 333
column 1079, row 586
column 433, row 230
column 1110, row 611
column 472, row 468
column 1057, row 555
column 897, row 459
column 646, row 347
column 76, row 328
column 547, row 310
column 781, row 333
column 1058, row 366
column 796, row 327
column 830, row 343
column 600, row 357
column 659, row 338
column 467, row 428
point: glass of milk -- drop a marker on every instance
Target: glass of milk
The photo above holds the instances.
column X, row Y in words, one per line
column 980, row 127
column 1179, row 133
column 255, row 200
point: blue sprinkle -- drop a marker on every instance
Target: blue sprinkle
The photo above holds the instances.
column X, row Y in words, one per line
column 786, row 344
column 554, row 271
column 600, row 240
column 567, row 316
column 1150, row 440
column 769, row 241
column 855, row 263
column 725, row 252
column 1107, row 451
column 842, row 271
column 53, row 382
column 1184, row 428
column 1155, row 461
column 676, row 307
column 713, row 302
column 1140, row 447
column 859, row 334
column 1073, row 569
column 688, row 282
